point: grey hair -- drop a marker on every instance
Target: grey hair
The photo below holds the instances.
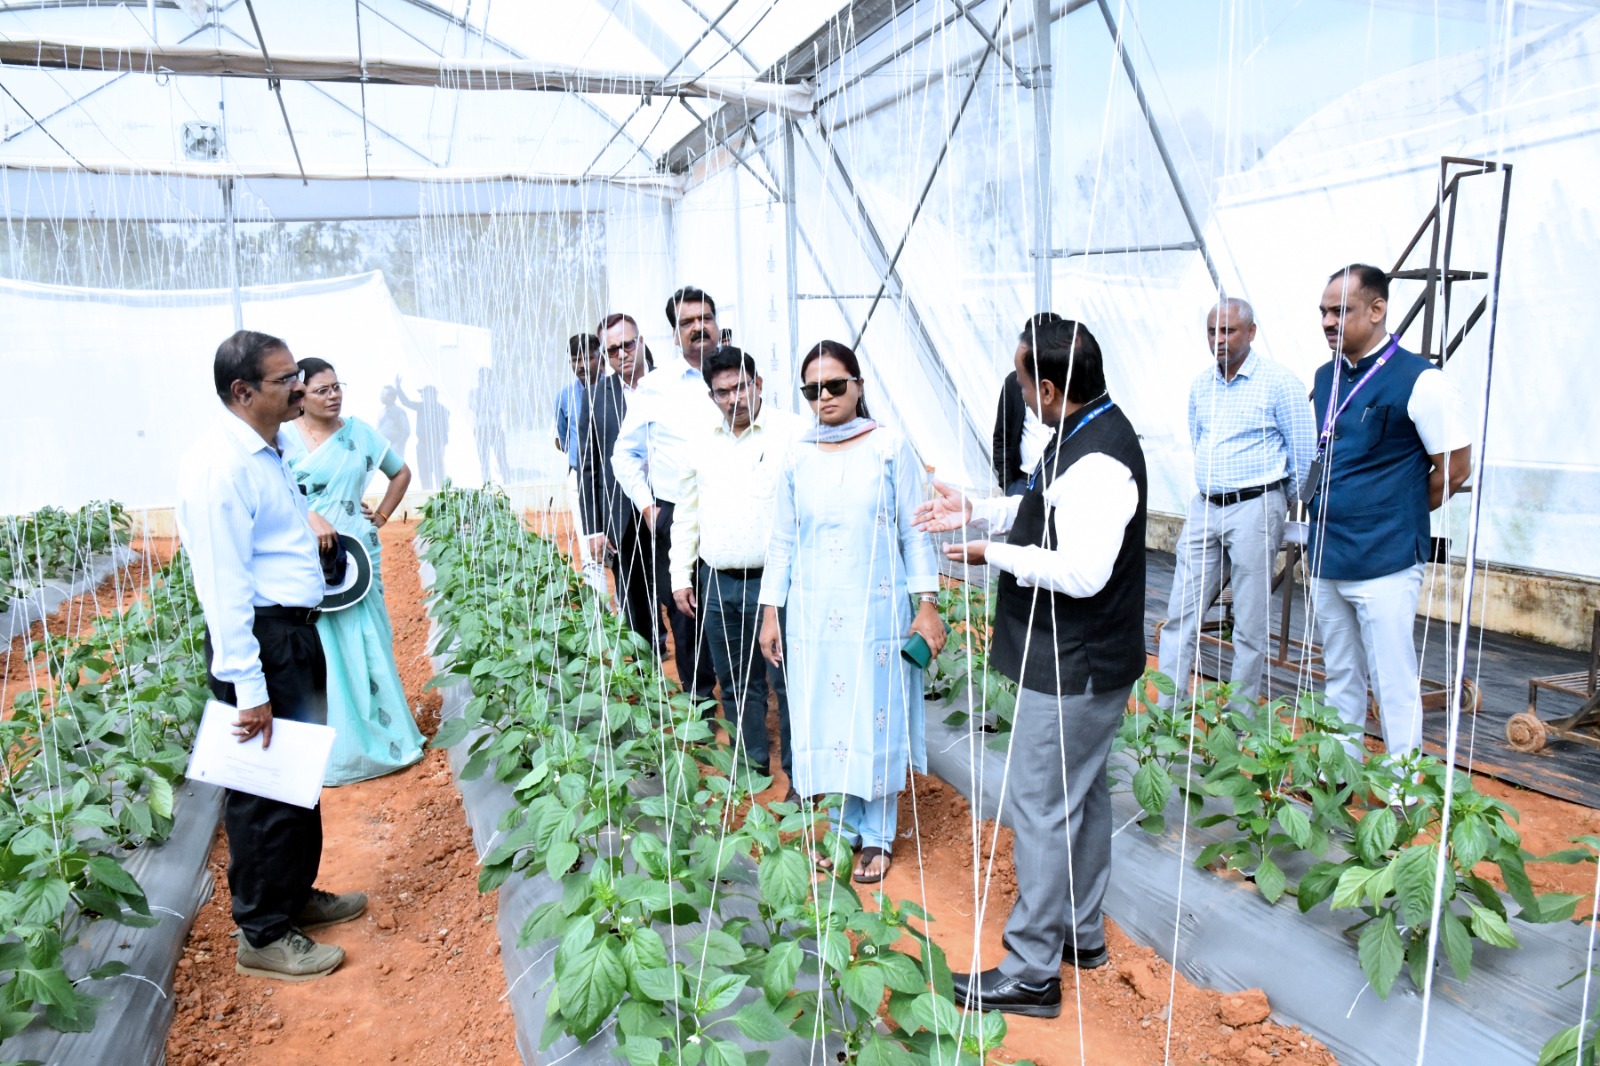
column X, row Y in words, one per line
column 1241, row 309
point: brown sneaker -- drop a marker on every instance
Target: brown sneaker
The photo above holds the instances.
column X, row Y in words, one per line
column 292, row 957
column 325, row 908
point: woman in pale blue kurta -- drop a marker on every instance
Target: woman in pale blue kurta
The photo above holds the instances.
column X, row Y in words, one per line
column 845, row 562
column 375, row 733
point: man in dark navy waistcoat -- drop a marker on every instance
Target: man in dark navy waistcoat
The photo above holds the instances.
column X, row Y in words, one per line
column 1393, row 446
column 1069, row 630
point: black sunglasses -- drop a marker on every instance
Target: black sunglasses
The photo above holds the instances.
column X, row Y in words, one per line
column 836, row 387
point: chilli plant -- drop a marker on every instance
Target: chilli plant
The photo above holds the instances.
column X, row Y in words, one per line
column 694, row 921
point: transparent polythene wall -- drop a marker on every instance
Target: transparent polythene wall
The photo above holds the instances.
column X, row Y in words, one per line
column 112, row 325
column 1295, row 162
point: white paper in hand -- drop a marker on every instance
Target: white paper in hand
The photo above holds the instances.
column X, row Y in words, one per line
column 290, row 771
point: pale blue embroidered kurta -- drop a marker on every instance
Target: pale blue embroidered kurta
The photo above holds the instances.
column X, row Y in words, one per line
column 845, row 560
column 375, row 733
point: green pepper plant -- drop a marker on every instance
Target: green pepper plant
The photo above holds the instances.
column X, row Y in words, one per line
column 689, row 915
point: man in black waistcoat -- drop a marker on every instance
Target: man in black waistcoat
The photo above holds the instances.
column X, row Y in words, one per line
column 1069, row 629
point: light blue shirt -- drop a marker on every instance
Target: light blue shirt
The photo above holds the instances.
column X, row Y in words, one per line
column 1253, row 430
column 569, row 412
column 242, row 519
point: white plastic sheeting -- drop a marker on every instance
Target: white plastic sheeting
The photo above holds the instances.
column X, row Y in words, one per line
column 109, row 387
column 1350, row 183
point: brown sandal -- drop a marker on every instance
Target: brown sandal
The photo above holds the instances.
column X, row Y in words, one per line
column 872, row 866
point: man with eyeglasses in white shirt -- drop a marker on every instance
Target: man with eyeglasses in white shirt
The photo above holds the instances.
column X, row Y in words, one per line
column 245, row 525
column 720, row 530
column 668, row 411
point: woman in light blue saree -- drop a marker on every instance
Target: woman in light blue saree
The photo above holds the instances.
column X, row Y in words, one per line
column 333, row 459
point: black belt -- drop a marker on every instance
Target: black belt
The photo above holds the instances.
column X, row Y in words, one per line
column 746, row 573
column 304, row 616
column 1228, row 499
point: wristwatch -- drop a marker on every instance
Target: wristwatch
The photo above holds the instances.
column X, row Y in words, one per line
column 928, row 597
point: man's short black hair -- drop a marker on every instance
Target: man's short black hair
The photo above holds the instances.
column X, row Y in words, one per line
column 1368, row 277
column 1062, row 347
column 239, row 358
column 687, row 295
column 582, row 346
column 727, row 358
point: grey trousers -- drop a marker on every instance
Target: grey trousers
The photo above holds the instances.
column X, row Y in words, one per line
column 1060, row 807
column 1247, row 534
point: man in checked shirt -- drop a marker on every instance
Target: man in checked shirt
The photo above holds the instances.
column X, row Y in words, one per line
column 1251, row 425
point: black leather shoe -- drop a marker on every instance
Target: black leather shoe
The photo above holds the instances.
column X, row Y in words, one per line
column 1086, row 958
column 993, row 990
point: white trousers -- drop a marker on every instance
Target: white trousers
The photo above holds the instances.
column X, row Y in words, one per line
column 1368, row 635
column 1246, row 535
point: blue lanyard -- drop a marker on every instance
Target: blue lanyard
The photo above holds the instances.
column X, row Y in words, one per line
column 1332, row 414
column 1090, row 417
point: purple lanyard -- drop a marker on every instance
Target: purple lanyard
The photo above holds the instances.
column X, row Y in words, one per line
column 1332, row 414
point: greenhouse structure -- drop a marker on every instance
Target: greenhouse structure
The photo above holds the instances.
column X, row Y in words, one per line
column 458, row 215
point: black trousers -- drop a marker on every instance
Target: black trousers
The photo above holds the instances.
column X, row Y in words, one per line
column 274, row 848
column 689, row 651
column 636, row 593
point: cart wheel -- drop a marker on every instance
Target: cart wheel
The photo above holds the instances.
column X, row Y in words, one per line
column 1526, row 732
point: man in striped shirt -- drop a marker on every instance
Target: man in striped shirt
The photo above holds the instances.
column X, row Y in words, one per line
column 1251, row 425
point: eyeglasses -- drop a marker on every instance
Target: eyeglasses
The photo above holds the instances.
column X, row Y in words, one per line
column 326, row 391
column 629, row 346
column 836, row 387
column 721, row 395
column 287, row 379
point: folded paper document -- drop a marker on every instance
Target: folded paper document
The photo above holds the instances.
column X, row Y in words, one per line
column 289, row 771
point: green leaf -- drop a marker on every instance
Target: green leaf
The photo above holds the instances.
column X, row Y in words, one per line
column 1376, row 835
column 1562, row 1049
column 160, row 795
column 1413, row 883
column 1470, row 840
column 1457, row 944
column 661, row 983
column 1296, row 825
column 760, row 1023
column 719, row 992
column 881, row 1051
column 645, row 950
column 106, row 872
column 716, row 948
column 591, row 985
column 560, row 858
column 902, row 973
column 1351, row 887
column 780, row 970
column 1270, row 880
column 43, row 900
column 862, row 984
column 835, row 949
column 723, row 1053
column 1381, row 953
column 934, row 1013
column 1318, row 884
column 1491, row 928
column 451, row 732
column 33, row 841
column 784, row 878
column 1152, row 787
column 640, row 1051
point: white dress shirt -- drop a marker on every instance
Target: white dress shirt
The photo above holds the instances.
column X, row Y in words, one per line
column 670, row 407
column 725, row 494
column 242, row 519
column 1091, row 502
